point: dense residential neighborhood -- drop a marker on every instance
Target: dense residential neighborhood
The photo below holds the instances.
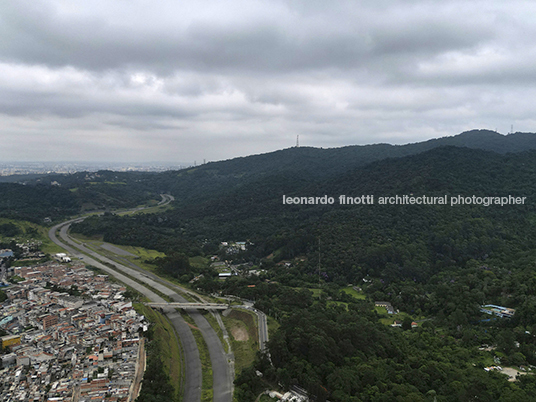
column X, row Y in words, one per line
column 62, row 347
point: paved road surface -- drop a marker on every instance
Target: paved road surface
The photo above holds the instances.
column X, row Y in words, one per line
column 222, row 375
column 263, row 330
column 140, row 369
column 193, row 376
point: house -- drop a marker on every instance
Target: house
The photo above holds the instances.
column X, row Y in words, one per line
column 387, row 305
column 10, row 340
column 8, row 360
column 500, row 311
column 6, row 253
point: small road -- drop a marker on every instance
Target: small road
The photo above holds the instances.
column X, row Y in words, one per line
column 263, row 324
column 221, row 365
column 140, row 369
column 263, row 330
column 166, row 199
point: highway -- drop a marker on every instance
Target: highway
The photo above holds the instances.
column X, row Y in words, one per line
column 193, row 376
column 197, row 306
column 220, row 361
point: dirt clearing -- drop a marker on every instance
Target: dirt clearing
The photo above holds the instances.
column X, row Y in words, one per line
column 240, row 333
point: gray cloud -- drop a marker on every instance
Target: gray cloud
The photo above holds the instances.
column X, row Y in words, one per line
column 184, row 80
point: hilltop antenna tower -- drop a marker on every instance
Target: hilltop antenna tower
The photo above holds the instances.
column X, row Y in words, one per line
column 298, row 141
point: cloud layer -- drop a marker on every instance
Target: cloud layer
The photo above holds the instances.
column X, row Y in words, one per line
column 177, row 81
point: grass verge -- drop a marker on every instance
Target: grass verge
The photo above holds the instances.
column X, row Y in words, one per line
column 207, row 394
column 31, row 231
column 242, row 329
column 168, row 347
column 273, row 326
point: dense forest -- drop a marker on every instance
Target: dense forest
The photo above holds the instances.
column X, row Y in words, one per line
column 335, row 346
column 35, row 203
column 59, row 196
column 385, row 241
column 345, row 354
column 441, row 262
column 437, row 264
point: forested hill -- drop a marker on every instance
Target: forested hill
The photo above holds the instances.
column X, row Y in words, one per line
column 34, row 203
column 115, row 189
column 483, row 139
column 390, row 241
column 215, row 185
column 312, row 164
column 59, row 196
column 446, row 170
column 438, row 263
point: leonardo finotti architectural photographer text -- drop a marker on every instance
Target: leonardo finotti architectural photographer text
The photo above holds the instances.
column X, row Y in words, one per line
column 406, row 200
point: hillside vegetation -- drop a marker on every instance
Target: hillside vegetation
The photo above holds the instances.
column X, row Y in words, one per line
column 436, row 264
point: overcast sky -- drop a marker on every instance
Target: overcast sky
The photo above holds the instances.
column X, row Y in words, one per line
column 136, row 80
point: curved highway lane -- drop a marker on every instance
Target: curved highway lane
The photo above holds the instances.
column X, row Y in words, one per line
column 222, row 377
column 192, row 371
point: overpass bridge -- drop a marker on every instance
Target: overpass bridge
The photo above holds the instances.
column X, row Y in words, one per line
column 198, row 306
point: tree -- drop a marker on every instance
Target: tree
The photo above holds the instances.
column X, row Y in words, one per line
column 406, row 323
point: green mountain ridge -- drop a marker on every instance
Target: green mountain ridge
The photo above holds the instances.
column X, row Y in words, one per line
column 438, row 263
column 306, row 163
column 389, row 241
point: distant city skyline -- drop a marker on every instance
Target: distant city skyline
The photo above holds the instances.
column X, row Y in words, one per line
column 191, row 81
column 39, row 167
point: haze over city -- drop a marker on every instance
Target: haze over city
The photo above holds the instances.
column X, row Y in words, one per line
column 184, row 81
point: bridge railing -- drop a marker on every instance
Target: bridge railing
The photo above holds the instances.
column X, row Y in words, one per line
column 202, row 306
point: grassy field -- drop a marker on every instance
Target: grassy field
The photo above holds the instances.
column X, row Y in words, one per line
column 242, row 328
column 169, row 346
column 142, row 253
column 199, row 262
column 32, row 231
column 354, row 293
column 206, row 365
column 337, row 303
column 388, row 319
column 316, row 292
column 273, row 326
column 266, row 398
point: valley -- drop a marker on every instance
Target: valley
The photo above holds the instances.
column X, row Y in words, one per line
column 374, row 301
